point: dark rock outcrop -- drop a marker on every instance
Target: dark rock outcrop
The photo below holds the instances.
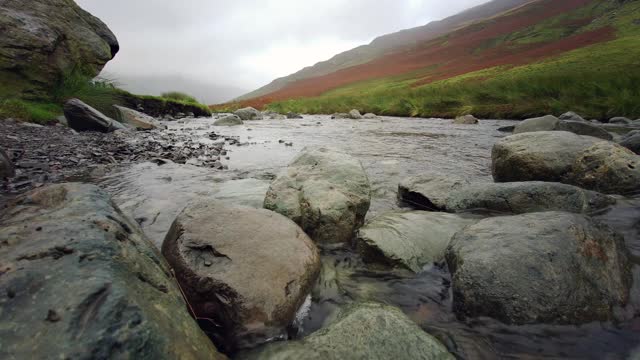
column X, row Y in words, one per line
column 42, row 41
column 82, row 117
column 80, row 281
column 247, row 269
column 549, row 267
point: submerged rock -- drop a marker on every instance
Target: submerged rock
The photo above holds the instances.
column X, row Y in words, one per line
column 247, row 269
column 45, row 40
column 249, row 113
column 552, row 123
column 409, row 239
column 134, row 118
column 81, row 281
column 362, row 331
column 429, row 192
column 526, row 197
column 6, row 166
column 466, row 120
column 559, row 156
column 355, row 114
column 571, row 116
column 326, row 192
column 82, row 117
column 549, row 267
column 229, row 120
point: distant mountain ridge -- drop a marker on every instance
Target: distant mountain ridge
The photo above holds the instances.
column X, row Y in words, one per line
column 389, row 43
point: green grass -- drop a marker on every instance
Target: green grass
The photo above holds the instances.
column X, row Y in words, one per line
column 36, row 112
column 176, row 95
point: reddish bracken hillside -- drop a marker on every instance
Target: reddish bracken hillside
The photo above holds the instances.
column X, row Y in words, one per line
column 459, row 52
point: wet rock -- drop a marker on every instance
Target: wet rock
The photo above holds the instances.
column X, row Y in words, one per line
column 549, row 267
column 362, row 331
column 571, row 116
column 620, row 120
column 293, row 115
column 340, row 116
column 409, row 239
column 47, row 40
column 82, row 117
column 370, row 116
column 134, row 118
column 429, row 192
column 526, row 197
column 326, row 192
column 249, row 113
column 551, row 123
column 632, row 143
column 229, row 120
column 565, row 157
column 6, row 166
column 507, row 129
column 247, row 269
column 355, row 114
column 466, row 120
column 102, row 289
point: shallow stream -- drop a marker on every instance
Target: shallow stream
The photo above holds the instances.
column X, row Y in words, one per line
column 390, row 150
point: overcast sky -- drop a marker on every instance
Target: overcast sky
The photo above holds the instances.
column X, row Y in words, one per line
column 240, row 45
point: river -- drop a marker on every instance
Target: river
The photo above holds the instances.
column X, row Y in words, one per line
column 390, row 149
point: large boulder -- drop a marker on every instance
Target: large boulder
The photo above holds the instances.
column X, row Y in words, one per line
column 552, row 123
column 326, row 192
column 249, row 113
column 549, row 267
column 559, row 156
column 466, row 120
column 247, row 269
column 429, row 192
column 82, row 117
column 229, row 120
column 526, row 197
column 42, row 41
column 632, row 143
column 409, row 239
column 134, row 118
column 355, row 114
column 81, row 281
column 366, row 331
column 6, row 166
column 571, row 116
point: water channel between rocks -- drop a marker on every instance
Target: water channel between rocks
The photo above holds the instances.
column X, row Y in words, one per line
column 390, row 150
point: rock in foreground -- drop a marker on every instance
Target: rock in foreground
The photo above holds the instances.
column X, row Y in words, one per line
column 247, row 269
column 326, row 192
column 81, row 281
column 409, row 239
column 44, row 40
column 249, row 113
column 229, row 120
column 429, row 192
column 82, row 117
column 558, row 156
column 550, row 267
column 362, row 332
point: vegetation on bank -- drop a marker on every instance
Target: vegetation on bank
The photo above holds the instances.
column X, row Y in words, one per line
column 99, row 93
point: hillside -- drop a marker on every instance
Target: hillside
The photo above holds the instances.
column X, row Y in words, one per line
column 540, row 57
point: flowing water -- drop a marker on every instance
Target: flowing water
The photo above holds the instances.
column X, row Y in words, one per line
column 390, row 150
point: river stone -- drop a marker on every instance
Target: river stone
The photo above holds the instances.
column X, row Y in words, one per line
column 544, row 123
column 355, row 114
column 6, row 166
column 81, row 281
column 326, row 192
column 361, row 331
column 247, row 269
column 552, row 123
column 229, row 120
column 134, row 118
column 249, row 113
column 606, row 167
column 409, row 239
column 466, row 120
column 429, row 192
column 340, row 116
column 620, row 120
column 549, row 267
column 571, row 116
column 526, row 197
column 82, row 117
column 632, row 143
column 44, row 40
column 370, row 116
